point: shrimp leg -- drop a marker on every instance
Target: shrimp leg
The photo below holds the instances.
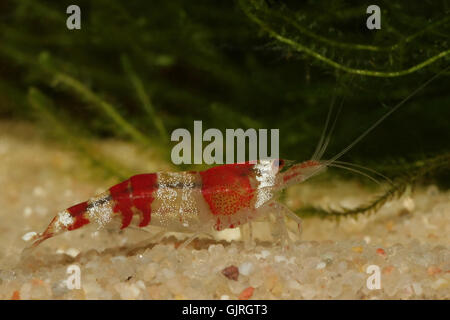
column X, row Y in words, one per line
column 247, row 234
column 281, row 212
column 250, row 232
column 288, row 212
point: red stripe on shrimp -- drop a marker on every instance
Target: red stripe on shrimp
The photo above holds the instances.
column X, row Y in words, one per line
column 143, row 186
column 78, row 212
column 121, row 195
column 227, row 188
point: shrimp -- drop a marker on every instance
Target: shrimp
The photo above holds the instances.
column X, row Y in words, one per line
column 222, row 197
column 218, row 198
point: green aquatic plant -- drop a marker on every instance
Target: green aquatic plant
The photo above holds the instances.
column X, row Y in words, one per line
column 266, row 19
column 144, row 98
column 44, row 109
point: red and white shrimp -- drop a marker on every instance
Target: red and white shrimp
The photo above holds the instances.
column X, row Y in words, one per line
column 218, row 198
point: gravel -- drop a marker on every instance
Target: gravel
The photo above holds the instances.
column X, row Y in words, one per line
column 407, row 241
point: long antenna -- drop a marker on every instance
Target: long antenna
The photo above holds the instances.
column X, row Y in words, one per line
column 326, row 137
column 351, row 145
column 325, row 128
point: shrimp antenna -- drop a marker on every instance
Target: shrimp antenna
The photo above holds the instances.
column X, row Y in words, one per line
column 356, row 171
column 326, row 137
column 387, row 114
column 325, row 128
column 327, row 140
column 349, row 164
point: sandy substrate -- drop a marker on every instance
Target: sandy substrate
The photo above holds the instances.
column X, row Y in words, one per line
column 408, row 241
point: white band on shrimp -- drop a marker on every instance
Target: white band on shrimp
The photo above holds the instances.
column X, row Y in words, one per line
column 100, row 209
column 265, row 174
column 64, row 219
